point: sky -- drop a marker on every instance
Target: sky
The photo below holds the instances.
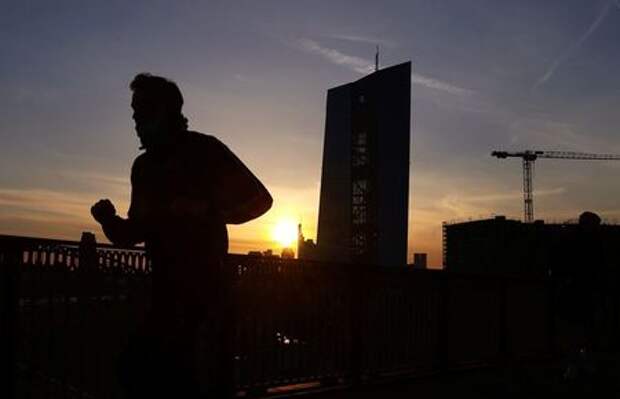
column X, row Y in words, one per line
column 487, row 75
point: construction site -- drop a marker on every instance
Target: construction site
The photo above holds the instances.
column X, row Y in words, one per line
column 531, row 246
column 501, row 245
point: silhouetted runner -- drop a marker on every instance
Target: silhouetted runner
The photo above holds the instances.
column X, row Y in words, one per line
column 186, row 187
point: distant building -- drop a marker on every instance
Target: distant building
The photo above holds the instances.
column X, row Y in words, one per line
column 419, row 260
column 511, row 246
column 363, row 211
column 306, row 248
column 268, row 253
column 287, row 253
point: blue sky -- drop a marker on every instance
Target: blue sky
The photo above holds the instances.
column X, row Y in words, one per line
column 487, row 75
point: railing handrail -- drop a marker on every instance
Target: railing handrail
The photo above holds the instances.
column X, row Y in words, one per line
column 26, row 242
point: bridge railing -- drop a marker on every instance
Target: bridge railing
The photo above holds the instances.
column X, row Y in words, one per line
column 67, row 309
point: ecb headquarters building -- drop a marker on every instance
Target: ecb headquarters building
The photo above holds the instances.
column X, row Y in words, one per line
column 363, row 211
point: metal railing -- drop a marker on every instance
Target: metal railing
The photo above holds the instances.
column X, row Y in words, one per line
column 67, row 308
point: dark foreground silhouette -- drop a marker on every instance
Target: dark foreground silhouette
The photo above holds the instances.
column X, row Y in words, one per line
column 586, row 298
column 186, row 187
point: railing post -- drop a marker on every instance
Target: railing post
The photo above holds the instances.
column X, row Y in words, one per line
column 551, row 316
column 87, row 260
column 503, row 322
column 88, row 266
column 358, row 276
column 225, row 355
column 441, row 350
column 88, row 252
column 10, row 260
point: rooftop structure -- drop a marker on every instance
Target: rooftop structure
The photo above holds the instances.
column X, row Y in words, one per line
column 503, row 245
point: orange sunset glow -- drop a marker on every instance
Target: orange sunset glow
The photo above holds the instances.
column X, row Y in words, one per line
column 68, row 137
column 285, row 233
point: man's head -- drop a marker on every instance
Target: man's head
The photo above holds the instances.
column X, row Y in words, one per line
column 156, row 104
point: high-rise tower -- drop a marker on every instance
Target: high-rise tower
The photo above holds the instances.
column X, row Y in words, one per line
column 363, row 211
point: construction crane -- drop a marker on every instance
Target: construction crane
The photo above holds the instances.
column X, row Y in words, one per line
column 530, row 156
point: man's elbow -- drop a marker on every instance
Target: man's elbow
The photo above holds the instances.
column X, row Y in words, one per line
column 126, row 242
column 267, row 203
column 120, row 239
column 122, row 233
column 255, row 209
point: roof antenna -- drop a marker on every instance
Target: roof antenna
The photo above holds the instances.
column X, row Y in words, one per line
column 377, row 59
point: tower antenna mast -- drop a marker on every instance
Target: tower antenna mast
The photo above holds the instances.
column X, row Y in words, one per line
column 377, row 59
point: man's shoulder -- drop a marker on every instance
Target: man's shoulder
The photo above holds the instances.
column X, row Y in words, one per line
column 138, row 166
column 139, row 160
column 201, row 143
column 201, row 138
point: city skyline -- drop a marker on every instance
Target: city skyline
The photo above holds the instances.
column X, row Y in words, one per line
column 486, row 76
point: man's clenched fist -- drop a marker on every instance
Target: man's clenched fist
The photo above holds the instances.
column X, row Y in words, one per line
column 103, row 211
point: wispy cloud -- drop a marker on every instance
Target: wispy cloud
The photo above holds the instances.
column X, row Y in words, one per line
column 357, row 64
column 61, row 204
column 364, row 66
column 39, row 200
column 45, row 212
column 363, row 39
column 576, row 45
column 461, row 206
column 543, row 132
column 438, row 84
column 496, row 197
column 96, row 178
column 243, row 78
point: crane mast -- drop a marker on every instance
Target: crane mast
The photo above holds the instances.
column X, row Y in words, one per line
column 530, row 156
column 528, row 196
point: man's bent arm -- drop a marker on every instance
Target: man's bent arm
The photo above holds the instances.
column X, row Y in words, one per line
column 129, row 232
column 123, row 232
column 240, row 196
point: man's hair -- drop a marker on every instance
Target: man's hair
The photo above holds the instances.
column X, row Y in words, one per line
column 161, row 90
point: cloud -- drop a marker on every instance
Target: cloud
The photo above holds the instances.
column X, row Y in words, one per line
column 56, row 205
column 244, row 245
column 357, row 64
column 242, row 78
column 45, row 213
column 496, row 197
column 97, row 179
column 39, row 200
column 576, row 45
column 542, row 132
column 364, row 66
column 438, row 84
column 482, row 206
column 364, row 39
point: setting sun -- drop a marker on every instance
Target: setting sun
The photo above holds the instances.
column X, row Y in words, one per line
column 285, row 233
